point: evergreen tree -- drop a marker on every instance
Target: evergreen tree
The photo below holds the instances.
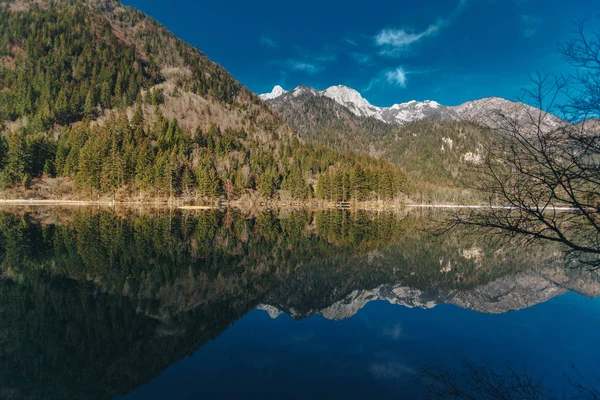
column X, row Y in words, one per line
column 137, row 120
column 112, row 175
column 143, row 167
column 188, row 183
column 267, row 183
column 89, row 108
column 208, row 181
column 89, row 168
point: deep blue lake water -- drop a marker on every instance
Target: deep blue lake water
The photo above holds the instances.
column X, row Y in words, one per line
column 103, row 304
column 379, row 351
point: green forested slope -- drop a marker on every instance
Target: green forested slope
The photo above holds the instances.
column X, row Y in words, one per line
column 110, row 103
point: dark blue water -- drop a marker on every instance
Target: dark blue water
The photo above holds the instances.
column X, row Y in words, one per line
column 381, row 350
column 95, row 304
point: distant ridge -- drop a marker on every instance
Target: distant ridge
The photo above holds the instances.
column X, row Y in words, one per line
column 481, row 111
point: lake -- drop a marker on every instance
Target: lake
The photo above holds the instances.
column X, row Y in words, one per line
column 129, row 304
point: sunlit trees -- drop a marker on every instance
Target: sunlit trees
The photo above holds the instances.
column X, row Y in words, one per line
column 67, row 58
column 89, row 109
column 208, row 181
column 268, row 182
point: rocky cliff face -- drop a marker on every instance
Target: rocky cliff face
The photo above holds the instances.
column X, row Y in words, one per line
column 488, row 112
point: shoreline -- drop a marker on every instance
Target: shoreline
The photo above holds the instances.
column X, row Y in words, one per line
column 243, row 204
column 483, row 207
column 366, row 206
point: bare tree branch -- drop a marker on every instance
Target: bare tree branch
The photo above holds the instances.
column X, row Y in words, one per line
column 547, row 173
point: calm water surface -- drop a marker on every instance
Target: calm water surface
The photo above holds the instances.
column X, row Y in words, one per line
column 104, row 304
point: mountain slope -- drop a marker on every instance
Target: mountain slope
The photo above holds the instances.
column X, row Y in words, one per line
column 324, row 120
column 110, row 103
column 439, row 147
column 493, row 111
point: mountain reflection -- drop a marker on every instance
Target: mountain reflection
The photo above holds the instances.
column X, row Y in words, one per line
column 94, row 304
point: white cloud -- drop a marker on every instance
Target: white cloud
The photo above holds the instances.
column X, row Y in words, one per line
column 397, row 77
column 351, row 42
column 372, row 83
column 304, row 66
column 268, row 42
column 311, row 62
column 394, row 42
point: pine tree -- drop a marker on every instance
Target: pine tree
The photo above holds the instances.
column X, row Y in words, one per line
column 188, row 183
column 106, row 95
column 132, row 89
column 137, row 120
column 208, row 181
column 296, row 184
column 89, row 168
column 143, row 167
column 267, row 183
column 61, row 107
column 18, row 159
column 89, row 109
column 3, row 152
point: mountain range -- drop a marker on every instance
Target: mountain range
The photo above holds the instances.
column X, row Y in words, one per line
column 481, row 111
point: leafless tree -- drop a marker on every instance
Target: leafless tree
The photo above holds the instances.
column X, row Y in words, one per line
column 541, row 174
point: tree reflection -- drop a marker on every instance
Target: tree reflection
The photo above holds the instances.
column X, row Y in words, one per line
column 94, row 304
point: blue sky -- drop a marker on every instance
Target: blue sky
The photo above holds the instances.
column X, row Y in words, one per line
column 391, row 51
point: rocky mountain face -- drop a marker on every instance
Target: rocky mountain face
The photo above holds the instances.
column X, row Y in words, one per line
column 486, row 112
column 275, row 93
column 495, row 113
column 326, row 119
column 354, row 102
column 414, row 111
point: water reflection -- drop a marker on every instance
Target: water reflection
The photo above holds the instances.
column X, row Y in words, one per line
column 94, row 304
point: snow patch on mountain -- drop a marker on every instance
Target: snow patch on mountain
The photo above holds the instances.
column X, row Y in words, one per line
column 490, row 112
column 275, row 93
column 352, row 100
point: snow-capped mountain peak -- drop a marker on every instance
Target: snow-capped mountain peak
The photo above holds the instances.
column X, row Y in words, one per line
column 484, row 111
column 353, row 100
column 276, row 92
column 300, row 90
column 413, row 110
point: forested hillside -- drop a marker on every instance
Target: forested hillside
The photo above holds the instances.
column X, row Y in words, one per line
column 99, row 101
column 440, row 158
